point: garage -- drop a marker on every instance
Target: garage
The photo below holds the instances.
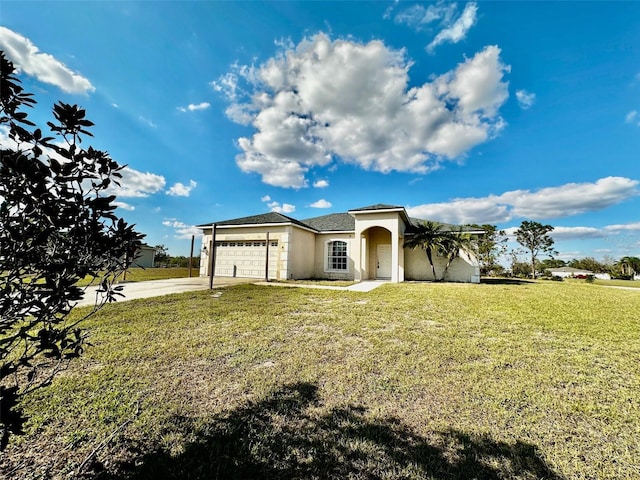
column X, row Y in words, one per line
column 246, row 258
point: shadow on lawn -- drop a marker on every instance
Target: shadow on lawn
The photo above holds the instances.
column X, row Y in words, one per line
column 505, row 281
column 281, row 438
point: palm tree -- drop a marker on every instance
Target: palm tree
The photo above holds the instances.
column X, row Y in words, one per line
column 427, row 235
column 453, row 243
column 630, row 266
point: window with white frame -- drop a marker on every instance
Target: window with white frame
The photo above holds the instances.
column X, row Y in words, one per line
column 336, row 256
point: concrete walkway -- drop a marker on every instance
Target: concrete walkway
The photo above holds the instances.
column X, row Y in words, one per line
column 158, row 288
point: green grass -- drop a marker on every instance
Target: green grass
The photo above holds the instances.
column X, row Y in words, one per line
column 146, row 274
column 441, row 381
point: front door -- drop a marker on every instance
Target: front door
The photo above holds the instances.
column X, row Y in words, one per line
column 383, row 261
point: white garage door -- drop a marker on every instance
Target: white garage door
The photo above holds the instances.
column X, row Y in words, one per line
column 246, row 258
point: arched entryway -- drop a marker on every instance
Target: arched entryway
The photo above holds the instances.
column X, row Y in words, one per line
column 378, row 260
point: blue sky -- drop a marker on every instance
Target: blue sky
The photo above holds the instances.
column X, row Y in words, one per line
column 483, row 112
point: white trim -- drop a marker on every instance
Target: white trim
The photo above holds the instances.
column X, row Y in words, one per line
column 326, row 255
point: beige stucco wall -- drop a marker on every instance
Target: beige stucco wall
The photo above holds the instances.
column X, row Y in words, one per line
column 145, row 257
column 417, row 267
column 301, row 247
column 320, row 255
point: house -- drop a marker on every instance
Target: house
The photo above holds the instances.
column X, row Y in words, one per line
column 361, row 244
column 145, row 257
column 570, row 272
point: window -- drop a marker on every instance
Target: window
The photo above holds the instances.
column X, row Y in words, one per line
column 337, row 256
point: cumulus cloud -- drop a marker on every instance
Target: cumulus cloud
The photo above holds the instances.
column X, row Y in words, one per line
column 124, row 206
column 322, row 203
column 137, row 184
column 29, row 59
column 456, row 31
column 551, row 202
column 324, row 101
column 525, row 99
column 192, row 108
column 284, row 208
column 181, row 229
column 182, row 190
column 321, row 184
column 277, row 207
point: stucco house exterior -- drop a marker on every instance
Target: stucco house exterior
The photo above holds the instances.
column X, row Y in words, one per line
column 145, row 257
column 361, row 244
column 569, row 272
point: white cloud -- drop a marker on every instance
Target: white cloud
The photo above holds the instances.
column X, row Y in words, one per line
column 322, row 203
column 321, row 184
column 525, row 99
column 632, row 117
column 572, row 233
column 137, row 184
column 462, row 211
column 571, row 198
column 124, row 206
column 626, row 227
column 419, row 17
column 28, row 58
column 284, row 208
column 276, row 207
column 325, row 101
column 456, row 31
column 181, row 229
column 192, row 108
column 147, row 121
column 551, row 202
column 181, row 190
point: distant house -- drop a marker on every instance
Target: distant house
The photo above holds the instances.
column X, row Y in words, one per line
column 361, row 244
column 570, row 272
column 145, row 257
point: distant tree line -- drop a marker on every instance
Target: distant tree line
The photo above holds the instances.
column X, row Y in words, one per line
column 163, row 259
column 535, row 241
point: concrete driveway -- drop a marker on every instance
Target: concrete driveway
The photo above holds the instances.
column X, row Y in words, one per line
column 157, row 288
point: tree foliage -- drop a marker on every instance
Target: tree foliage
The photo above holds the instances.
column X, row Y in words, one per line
column 535, row 238
column 590, row 264
column 490, row 246
column 57, row 225
column 433, row 237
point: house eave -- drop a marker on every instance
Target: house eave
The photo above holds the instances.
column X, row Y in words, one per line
column 256, row 225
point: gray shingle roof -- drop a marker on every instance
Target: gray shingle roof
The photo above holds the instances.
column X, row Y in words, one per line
column 377, row 206
column 271, row 217
column 334, row 222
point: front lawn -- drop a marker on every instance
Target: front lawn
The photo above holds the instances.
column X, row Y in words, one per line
column 440, row 381
column 138, row 274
